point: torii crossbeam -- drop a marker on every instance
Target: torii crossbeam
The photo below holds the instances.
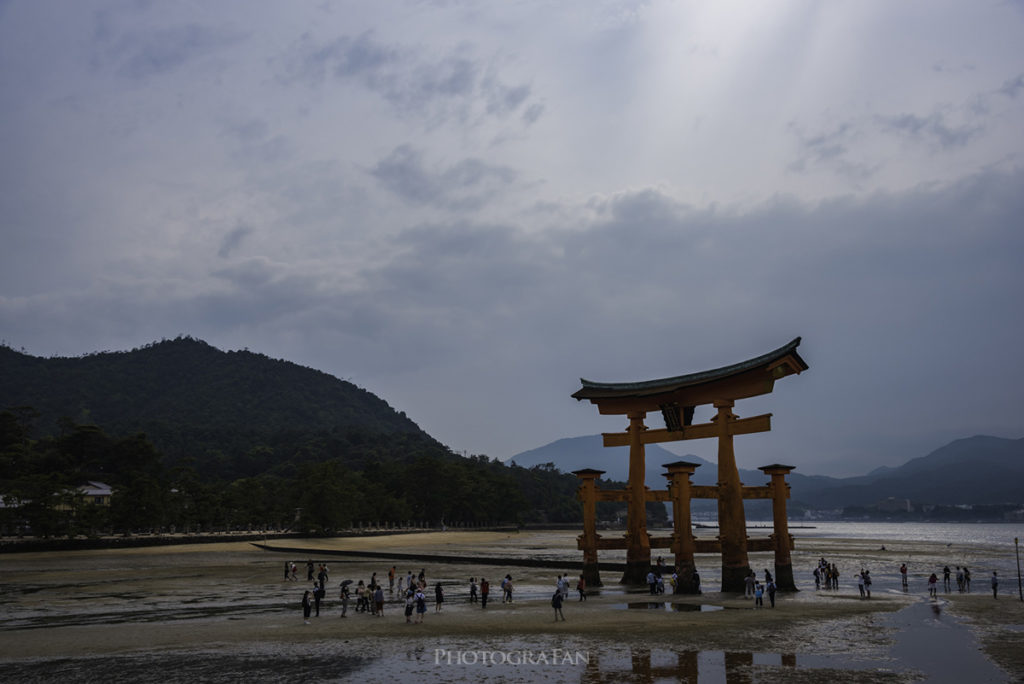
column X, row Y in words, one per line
column 676, row 398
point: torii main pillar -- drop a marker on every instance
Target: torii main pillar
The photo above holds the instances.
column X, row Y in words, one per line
column 676, row 399
column 732, row 520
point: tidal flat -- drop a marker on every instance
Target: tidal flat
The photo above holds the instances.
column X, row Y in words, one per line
column 223, row 612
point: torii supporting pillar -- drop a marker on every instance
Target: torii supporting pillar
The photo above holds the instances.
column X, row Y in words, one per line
column 783, row 559
column 732, row 520
column 638, row 542
column 683, row 543
column 588, row 540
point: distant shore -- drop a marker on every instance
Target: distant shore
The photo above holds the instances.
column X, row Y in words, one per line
column 138, row 540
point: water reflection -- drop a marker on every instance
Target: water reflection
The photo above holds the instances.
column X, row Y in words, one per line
column 646, row 666
column 668, row 605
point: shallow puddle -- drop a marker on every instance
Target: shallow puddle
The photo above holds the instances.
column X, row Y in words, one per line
column 669, row 606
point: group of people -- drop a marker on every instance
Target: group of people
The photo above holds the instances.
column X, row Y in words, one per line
column 369, row 596
column 826, row 575
column 311, row 598
column 656, row 578
column 963, row 581
column 752, row 588
column 863, row 583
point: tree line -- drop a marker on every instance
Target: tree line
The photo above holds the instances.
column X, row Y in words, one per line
column 311, row 483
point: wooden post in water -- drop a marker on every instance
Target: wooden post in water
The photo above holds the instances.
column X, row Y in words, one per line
column 638, row 541
column 587, row 493
column 783, row 541
column 732, row 520
column 683, row 543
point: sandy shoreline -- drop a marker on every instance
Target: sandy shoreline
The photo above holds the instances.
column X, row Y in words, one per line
column 228, row 601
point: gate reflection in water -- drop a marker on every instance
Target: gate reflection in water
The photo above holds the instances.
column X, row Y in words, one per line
column 668, row 605
column 732, row 667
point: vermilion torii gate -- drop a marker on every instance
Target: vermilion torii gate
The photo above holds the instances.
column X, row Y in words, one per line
column 676, row 398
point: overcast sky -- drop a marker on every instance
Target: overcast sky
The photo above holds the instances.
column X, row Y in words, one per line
column 464, row 207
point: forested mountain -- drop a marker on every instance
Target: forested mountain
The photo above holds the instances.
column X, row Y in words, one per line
column 196, row 438
column 195, row 401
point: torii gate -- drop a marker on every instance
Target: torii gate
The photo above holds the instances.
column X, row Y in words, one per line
column 676, row 398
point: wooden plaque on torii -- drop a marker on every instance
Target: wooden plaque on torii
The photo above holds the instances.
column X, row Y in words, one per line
column 676, row 398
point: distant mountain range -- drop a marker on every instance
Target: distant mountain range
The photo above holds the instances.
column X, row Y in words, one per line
column 973, row 471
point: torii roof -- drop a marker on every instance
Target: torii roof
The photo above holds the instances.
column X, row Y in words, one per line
column 746, row 379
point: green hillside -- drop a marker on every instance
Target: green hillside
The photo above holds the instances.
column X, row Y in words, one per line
column 195, row 401
column 197, row 438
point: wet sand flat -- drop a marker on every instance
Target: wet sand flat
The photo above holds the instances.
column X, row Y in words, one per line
column 223, row 611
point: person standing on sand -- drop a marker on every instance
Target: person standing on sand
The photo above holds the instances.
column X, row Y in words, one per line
column 945, row 578
column 345, row 595
column 472, row 590
column 933, row 585
column 307, row 606
column 995, row 585
column 860, row 585
column 438, row 597
column 309, row 570
column 318, row 593
column 421, row 605
column 867, row 581
column 556, row 603
column 485, row 588
column 322, row 577
column 903, row 575
column 410, row 604
column 967, row 580
column 508, row 588
column 581, row 586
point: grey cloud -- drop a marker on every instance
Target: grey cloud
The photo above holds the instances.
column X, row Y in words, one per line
column 932, row 129
column 253, row 272
column 233, row 240
column 830, row 148
column 141, row 54
column 464, row 185
column 1012, row 87
column 501, row 99
column 412, row 84
column 532, row 113
column 251, row 143
column 361, row 58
